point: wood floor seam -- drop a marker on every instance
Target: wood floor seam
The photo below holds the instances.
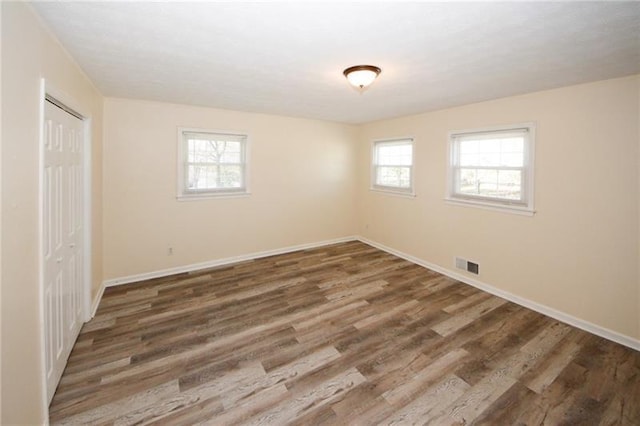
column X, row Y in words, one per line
column 342, row 334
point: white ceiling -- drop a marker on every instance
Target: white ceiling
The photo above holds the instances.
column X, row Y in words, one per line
column 287, row 58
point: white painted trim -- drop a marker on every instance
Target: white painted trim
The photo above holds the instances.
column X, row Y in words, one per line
column 69, row 101
column 65, row 98
column 220, row 262
column 43, row 345
column 543, row 309
column 96, row 300
column 183, row 195
column 390, row 190
column 487, row 206
column 210, row 195
column 488, row 203
column 46, row 88
column 614, row 336
column 1, row 215
column 87, row 212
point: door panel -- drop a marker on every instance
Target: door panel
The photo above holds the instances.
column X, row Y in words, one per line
column 62, row 237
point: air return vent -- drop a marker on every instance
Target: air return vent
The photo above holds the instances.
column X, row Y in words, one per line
column 468, row 266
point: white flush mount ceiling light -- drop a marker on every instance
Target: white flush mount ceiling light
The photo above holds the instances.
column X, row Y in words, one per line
column 361, row 76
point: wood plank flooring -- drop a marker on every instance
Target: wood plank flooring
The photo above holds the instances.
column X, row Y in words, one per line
column 343, row 334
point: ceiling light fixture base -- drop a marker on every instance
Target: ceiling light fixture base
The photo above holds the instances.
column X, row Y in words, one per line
column 361, row 76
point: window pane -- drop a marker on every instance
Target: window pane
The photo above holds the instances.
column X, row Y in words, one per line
column 394, row 155
column 214, row 162
column 230, row 152
column 399, row 177
column 202, row 177
column 469, row 147
column 487, row 182
column 510, row 159
column 492, row 165
column 484, row 159
column 214, row 151
column 467, row 181
column 491, row 152
column 510, row 184
column 230, row 176
column 199, row 151
column 392, row 163
column 496, row 183
column 512, row 144
column 489, row 146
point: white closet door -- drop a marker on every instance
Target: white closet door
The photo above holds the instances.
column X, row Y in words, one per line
column 62, row 238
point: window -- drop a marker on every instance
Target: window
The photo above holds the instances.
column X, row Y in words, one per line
column 392, row 168
column 493, row 167
column 211, row 164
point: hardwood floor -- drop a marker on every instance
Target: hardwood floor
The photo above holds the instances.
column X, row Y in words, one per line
column 343, row 334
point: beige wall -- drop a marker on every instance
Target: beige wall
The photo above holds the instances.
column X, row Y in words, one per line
column 301, row 184
column 28, row 54
column 579, row 253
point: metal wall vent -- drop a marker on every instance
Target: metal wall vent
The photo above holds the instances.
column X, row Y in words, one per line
column 468, row 266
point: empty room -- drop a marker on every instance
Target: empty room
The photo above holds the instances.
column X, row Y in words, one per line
column 352, row 213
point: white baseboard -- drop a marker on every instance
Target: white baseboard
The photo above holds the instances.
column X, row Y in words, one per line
column 220, row 262
column 96, row 301
column 543, row 309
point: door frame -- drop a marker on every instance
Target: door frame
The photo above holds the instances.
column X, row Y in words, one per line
column 47, row 89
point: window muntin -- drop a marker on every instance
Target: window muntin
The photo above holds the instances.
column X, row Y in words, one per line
column 212, row 163
column 493, row 166
column 392, row 168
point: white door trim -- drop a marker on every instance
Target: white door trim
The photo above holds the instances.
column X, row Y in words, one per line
column 46, row 88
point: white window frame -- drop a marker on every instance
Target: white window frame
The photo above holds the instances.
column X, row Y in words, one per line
column 410, row 192
column 524, row 207
column 186, row 194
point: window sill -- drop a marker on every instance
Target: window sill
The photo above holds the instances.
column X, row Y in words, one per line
column 401, row 194
column 523, row 211
column 211, row 196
